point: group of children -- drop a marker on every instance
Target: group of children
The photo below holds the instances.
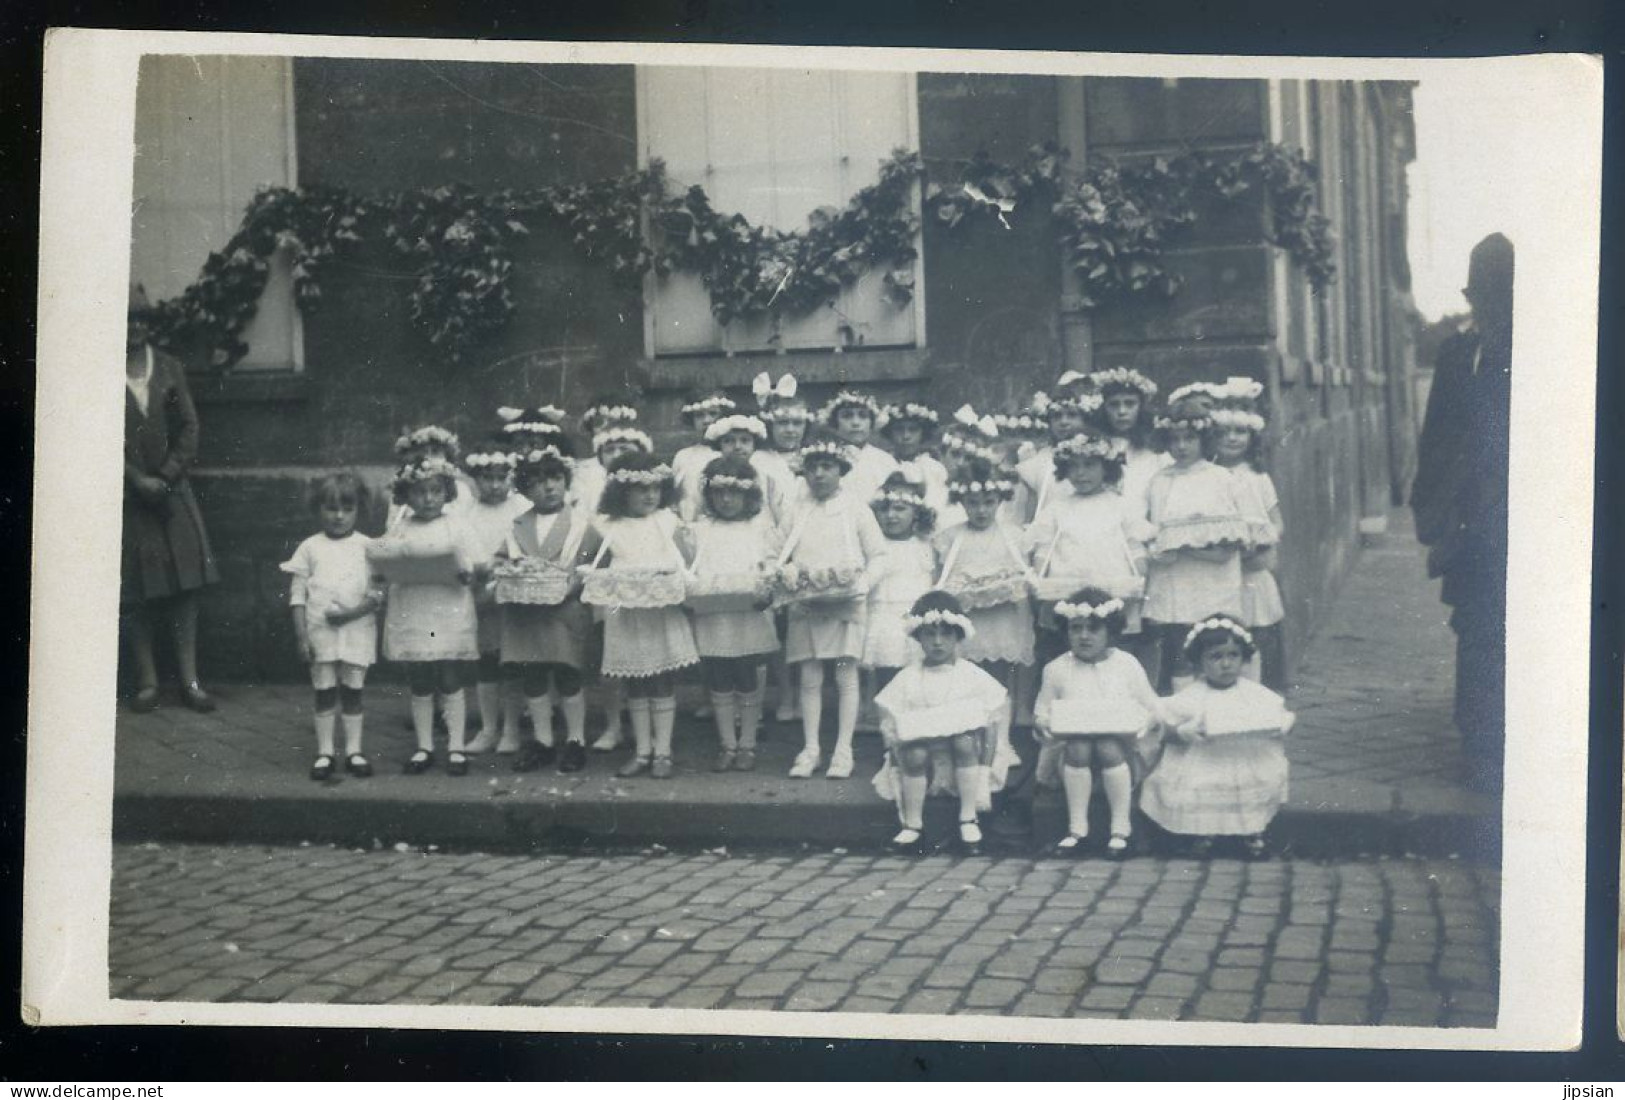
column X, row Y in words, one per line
column 1121, row 551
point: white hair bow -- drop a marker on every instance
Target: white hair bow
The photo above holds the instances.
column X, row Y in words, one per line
column 762, row 387
column 508, row 413
column 1070, row 377
column 966, row 416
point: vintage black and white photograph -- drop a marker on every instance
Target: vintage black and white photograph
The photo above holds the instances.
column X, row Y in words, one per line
column 764, row 534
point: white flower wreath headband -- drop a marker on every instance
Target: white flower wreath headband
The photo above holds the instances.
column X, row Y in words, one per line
column 1217, row 623
column 728, row 481
column 655, row 476
column 427, row 469
column 609, row 414
column 714, row 403
column 1123, row 378
column 489, row 460
column 850, row 399
column 1070, row 611
column 431, row 436
column 827, row 448
column 1197, row 389
column 899, row 496
column 1193, row 423
column 550, row 413
column 908, row 410
column 911, row 623
column 622, row 435
column 991, row 485
column 531, row 427
column 738, row 422
column 1236, row 418
column 1083, row 446
column 538, row 454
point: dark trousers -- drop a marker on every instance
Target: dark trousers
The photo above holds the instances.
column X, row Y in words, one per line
column 1481, row 690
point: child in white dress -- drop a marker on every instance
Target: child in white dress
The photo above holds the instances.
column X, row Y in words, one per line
column 831, row 531
column 430, row 625
column 1124, row 417
column 983, row 563
column 544, row 646
column 703, row 409
column 902, row 576
column 1067, row 413
column 939, row 698
column 853, row 417
column 911, row 429
column 1198, row 532
column 1238, row 446
column 743, row 437
column 734, row 543
column 1096, row 702
column 645, row 645
column 335, row 605
column 430, row 442
column 489, row 519
column 786, row 415
column 1223, row 770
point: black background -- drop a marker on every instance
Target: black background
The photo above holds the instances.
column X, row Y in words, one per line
column 1369, row 28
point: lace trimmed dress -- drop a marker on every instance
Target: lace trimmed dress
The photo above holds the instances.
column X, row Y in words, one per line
column 429, row 622
column 737, row 546
column 1228, row 783
column 840, row 532
column 968, row 689
column 1004, row 632
column 1192, row 507
column 645, row 641
column 904, row 575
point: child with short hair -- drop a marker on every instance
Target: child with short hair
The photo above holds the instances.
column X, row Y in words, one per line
column 831, row 531
column 489, row 519
column 544, row 646
column 1223, row 770
column 939, row 697
column 1095, row 701
column 1199, row 530
column 335, row 605
column 853, row 417
column 430, row 624
column 645, row 645
column 902, row 575
column 702, row 409
column 734, row 539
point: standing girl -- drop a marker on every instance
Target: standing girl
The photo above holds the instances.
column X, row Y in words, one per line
column 1223, row 770
column 1068, row 414
column 1124, row 417
column 902, row 576
column 832, row 532
column 940, row 697
column 430, row 624
column 489, row 519
column 1095, row 701
column 702, row 410
column 910, row 429
column 853, row 416
column 786, row 416
column 544, row 646
column 1199, row 530
column 984, row 565
column 335, row 608
column 611, row 425
column 1238, row 446
column 734, row 542
column 431, row 442
column 742, row 437
column 645, row 645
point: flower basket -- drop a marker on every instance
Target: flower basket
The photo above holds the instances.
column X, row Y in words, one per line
column 793, row 585
column 979, row 591
column 712, row 593
column 541, row 583
column 633, row 588
column 1200, row 533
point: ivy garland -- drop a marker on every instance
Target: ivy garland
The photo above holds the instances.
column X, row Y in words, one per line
column 1112, row 223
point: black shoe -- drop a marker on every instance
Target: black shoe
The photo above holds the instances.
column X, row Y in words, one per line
column 420, row 762
column 144, row 701
column 532, row 756
column 196, row 698
column 456, row 764
column 573, row 757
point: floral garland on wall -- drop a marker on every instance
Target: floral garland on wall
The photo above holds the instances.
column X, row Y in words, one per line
column 1112, row 223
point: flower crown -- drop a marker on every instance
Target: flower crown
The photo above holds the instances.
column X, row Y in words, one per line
column 655, row 476
column 1080, row 610
column 1209, row 390
column 728, row 481
column 623, row 434
column 425, row 469
column 1242, row 388
column 1017, row 423
column 550, row 413
column 896, row 495
column 531, row 427
column 486, row 460
column 608, row 414
column 827, row 448
column 715, row 403
column 1236, row 418
column 1218, row 622
column 849, row 399
column 541, row 454
column 1043, row 404
column 430, row 436
column 1085, row 446
column 911, row 623
column 738, row 422
column 787, row 410
column 1123, row 378
column 908, row 410
column 1194, row 423
column 996, row 483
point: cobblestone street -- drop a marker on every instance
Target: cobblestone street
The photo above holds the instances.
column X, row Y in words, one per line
column 1399, row 942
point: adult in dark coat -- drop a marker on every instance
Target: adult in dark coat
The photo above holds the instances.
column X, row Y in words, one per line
column 1460, row 502
column 166, row 555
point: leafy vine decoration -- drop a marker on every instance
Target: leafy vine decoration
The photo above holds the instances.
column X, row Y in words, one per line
column 1112, row 223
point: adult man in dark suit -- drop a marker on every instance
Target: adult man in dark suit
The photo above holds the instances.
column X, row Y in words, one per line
column 1460, row 502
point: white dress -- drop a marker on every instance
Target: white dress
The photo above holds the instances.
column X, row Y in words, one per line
column 1139, row 468
column 1095, row 539
column 871, row 466
column 962, row 685
column 456, row 507
column 489, row 526
column 840, row 532
column 780, row 485
column 332, row 573
column 1036, row 474
column 1194, row 506
column 430, row 622
column 1223, row 784
column 738, row 546
column 1261, row 603
column 1004, row 632
column 645, row 641
column 587, row 481
column 902, row 576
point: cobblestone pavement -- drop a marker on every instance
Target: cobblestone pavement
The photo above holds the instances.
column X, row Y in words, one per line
column 1408, row 942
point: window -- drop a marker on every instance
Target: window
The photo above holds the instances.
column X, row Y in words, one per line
column 209, row 132
column 774, row 145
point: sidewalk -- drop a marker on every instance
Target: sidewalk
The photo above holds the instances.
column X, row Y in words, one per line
column 1376, row 765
